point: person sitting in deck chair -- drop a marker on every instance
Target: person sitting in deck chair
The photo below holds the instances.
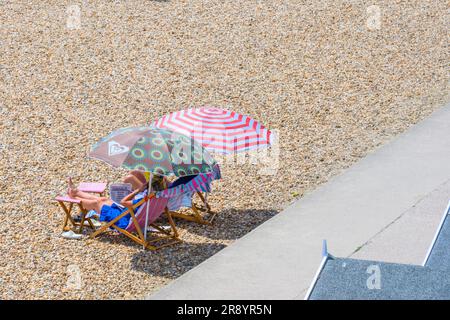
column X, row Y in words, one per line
column 108, row 210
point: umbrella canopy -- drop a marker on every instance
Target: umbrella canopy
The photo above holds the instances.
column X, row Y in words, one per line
column 218, row 130
column 155, row 150
column 159, row 151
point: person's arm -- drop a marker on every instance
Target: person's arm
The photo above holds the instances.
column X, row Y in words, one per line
column 128, row 200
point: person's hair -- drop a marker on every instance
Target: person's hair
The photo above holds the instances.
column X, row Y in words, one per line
column 158, row 182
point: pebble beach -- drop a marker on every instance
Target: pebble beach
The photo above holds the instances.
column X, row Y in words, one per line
column 333, row 79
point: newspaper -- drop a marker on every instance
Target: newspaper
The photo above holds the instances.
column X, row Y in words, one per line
column 118, row 191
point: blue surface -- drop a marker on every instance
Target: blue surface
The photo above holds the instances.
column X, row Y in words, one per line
column 346, row 279
column 349, row 279
column 182, row 180
column 440, row 254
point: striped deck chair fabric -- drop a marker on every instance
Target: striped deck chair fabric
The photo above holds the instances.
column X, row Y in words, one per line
column 181, row 195
column 156, row 208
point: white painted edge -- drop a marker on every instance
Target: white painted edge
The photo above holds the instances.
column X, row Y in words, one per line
column 313, row 284
column 438, row 231
column 325, row 257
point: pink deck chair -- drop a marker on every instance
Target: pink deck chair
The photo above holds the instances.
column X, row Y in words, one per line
column 134, row 230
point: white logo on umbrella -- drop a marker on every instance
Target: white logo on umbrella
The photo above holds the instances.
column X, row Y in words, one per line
column 114, row 148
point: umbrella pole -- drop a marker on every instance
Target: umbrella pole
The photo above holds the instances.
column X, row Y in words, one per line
column 206, row 201
column 149, row 189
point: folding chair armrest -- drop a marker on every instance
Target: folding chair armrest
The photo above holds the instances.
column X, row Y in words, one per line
column 151, row 195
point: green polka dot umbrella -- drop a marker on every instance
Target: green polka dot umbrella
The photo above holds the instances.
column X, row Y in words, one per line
column 160, row 151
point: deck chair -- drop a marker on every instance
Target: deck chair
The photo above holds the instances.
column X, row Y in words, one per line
column 135, row 228
column 181, row 196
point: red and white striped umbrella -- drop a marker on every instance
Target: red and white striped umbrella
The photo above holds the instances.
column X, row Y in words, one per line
column 218, row 130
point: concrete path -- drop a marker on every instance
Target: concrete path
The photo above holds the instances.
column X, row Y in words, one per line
column 408, row 238
column 361, row 210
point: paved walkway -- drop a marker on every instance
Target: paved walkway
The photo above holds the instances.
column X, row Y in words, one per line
column 385, row 207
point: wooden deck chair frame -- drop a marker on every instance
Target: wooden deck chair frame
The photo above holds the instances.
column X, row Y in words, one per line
column 170, row 236
column 69, row 219
column 196, row 215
